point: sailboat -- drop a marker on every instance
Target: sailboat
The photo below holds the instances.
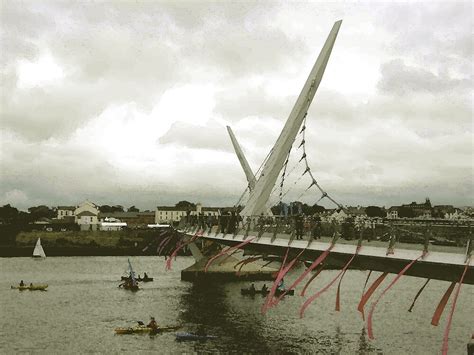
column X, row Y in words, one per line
column 131, row 283
column 38, row 252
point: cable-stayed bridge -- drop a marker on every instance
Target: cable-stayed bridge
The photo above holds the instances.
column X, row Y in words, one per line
column 267, row 238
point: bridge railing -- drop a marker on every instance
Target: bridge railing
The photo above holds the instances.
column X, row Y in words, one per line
column 451, row 237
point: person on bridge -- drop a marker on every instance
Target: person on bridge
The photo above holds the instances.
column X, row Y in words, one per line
column 281, row 285
column 299, row 226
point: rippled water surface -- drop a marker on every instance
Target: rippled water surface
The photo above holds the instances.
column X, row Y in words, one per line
column 83, row 305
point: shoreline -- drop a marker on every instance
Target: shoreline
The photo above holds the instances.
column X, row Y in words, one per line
column 15, row 251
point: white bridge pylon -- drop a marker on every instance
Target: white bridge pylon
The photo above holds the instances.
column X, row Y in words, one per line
column 260, row 194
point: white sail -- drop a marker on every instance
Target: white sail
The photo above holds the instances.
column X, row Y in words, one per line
column 38, row 252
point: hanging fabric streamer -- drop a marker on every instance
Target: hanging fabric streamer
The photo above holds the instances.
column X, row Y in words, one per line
column 371, row 312
column 338, row 293
column 248, row 261
column 324, row 289
column 229, row 255
column 279, row 278
column 315, row 263
column 163, row 243
column 266, row 304
column 225, row 251
column 444, row 349
column 178, row 248
column 442, row 304
column 271, row 261
column 311, row 279
column 366, row 281
column 365, row 298
column 241, row 261
column 418, row 295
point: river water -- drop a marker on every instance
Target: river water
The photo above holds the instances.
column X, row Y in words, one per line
column 83, row 305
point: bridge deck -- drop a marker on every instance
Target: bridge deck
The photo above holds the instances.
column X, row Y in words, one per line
column 441, row 262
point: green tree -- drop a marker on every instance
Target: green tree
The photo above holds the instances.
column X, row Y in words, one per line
column 374, row 211
column 186, row 205
column 8, row 214
column 133, row 209
column 406, row 212
column 348, row 228
column 110, row 209
column 41, row 211
column 317, row 209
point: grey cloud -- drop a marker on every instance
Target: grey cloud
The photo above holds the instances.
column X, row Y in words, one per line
column 242, row 52
column 401, row 79
column 393, row 146
column 233, row 104
column 211, row 136
column 437, row 36
column 124, row 53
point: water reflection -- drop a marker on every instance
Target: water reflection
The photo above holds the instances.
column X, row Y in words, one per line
column 205, row 310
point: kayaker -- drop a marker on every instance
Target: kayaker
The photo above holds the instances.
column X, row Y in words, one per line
column 153, row 325
column 264, row 288
column 145, row 276
column 22, row 283
column 281, row 285
column 252, row 288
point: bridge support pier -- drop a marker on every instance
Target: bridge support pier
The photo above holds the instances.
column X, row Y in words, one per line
column 222, row 269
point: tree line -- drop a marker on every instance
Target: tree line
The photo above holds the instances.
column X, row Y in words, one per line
column 11, row 215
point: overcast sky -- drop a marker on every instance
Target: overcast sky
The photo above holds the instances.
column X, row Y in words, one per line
column 127, row 102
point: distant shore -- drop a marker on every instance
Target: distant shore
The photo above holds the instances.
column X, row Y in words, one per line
column 85, row 243
column 14, row 251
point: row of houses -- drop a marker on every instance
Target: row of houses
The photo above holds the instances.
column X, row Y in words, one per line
column 88, row 216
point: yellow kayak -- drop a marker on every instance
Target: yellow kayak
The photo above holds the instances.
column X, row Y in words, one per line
column 39, row 287
column 143, row 329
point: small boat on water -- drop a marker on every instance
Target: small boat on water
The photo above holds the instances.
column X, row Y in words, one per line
column 140, row 279
column 31, row 287
column 131, row 282
column 38, row 252
column 192, row 336
column 278, row 292
column 142, row 329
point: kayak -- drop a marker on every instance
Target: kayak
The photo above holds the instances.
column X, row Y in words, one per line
column 39, row 287
column 145, row 330
column 148, row 279
column 248, row 291
column 191, row 336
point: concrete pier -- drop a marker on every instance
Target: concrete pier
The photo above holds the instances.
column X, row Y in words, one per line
column 222, row 269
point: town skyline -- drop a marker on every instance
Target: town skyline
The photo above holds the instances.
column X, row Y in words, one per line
column 118, row 207
column 132, row 108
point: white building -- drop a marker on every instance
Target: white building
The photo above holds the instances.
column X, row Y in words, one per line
column 65, row 211
column 85, row 215
column 112, row 226
column 174, row 214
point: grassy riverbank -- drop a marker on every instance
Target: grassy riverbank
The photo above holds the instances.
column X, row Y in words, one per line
column 106, row 239
column 82, row 243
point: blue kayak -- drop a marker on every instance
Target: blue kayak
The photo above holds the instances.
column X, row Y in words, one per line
column 191, row 336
